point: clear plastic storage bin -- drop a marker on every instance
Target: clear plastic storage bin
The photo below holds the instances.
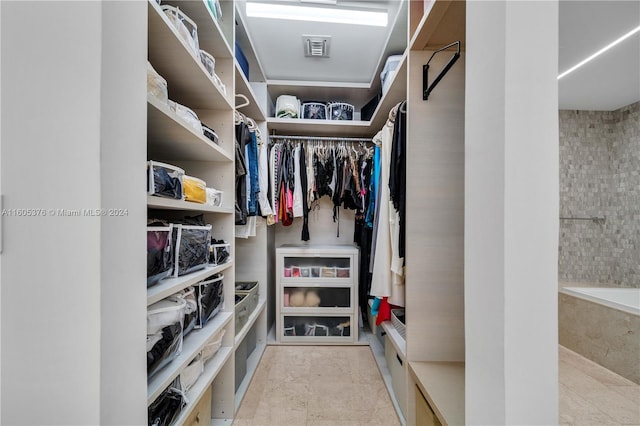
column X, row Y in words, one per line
column 192, row 248
column 186, row 28
column 164, row 180
column 165, row 320
column 195, row 190
column 210, row 297
column 159, row 253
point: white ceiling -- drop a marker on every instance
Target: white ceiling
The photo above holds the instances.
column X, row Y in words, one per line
column 609, row 82
column 354, row 53
column 612, row 80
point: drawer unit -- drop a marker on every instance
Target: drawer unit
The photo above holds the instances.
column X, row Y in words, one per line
column 317, row 294
column 396, row 367
column 201, row 414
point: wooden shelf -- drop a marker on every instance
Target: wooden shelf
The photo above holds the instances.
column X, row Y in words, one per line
column 169, row 286
column 293, row 126
column 442, row 384
column 243, row 87
column 169, row 137
column 171, row 204
column 188, row 81
column 210, row 36
column 193, row 343
column 442, row 23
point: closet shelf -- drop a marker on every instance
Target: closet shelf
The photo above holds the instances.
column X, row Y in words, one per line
column 316, row 311
column 189, row 82
column 252, row 319
column 243, row 87
column 442, row 384
column 171, row 204
column 305, row 127
column 441, row 24
column 211, row 370
column 170, row 138
column 192, row 345
column 169, row 286
column 210, row 36
column 397, row 93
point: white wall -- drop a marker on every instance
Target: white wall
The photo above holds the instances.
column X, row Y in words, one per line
column 123, row 154
column 73, row 131
column 51, row 265
column 322, row 229
column 511, row 214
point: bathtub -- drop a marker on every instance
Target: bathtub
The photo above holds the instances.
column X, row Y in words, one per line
column 603, row 325
column 624, row 299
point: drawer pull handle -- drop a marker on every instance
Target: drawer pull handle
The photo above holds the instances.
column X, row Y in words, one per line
column 399, row 360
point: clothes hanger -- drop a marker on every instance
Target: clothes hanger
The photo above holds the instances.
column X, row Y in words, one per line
column 245, row 103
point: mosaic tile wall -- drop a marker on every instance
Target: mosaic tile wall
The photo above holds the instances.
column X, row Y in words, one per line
column 600, row 177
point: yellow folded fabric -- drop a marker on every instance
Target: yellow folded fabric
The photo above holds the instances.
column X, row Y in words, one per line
column 195, row 190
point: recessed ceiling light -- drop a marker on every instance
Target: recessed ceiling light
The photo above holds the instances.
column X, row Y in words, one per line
column 599, row 52
column 316, row 14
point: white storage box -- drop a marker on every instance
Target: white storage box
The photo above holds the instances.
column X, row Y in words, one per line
column 164, row 180
column 287, row 106
column 212, row 346
column 214, row 197
column 389, row 70
column 340, row 111
column 187, row 114
column 314, row 111
column 186, row 28
column 192, row 372
column 251, row 289
column 208, row 61
column 156, row 85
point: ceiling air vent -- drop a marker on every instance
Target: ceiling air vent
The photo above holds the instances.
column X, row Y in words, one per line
column 316, row 46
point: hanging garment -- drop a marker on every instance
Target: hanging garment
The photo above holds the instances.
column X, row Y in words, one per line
column 303, row 185
column 398, row 179
column 377, row 196
column 311, row 181
column 263, row 180
column 274, row 173
column 253, row 184
column 385, row 282
column 243, row 137
column 297, row 184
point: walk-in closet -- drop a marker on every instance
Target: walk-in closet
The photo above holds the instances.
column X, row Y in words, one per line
column 292, row 198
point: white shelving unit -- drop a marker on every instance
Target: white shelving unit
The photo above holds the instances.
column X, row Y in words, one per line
column 173, row 141
column 252, row 254
column 326, row 274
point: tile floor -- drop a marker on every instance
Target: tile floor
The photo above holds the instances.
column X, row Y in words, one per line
column 323, row 386
column 592, row 395
column 317, row 386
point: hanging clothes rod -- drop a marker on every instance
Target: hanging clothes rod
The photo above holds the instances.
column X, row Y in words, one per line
column 321, row 138
column 426, row 89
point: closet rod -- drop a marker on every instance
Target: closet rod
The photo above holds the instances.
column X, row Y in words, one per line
column 321, row 138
